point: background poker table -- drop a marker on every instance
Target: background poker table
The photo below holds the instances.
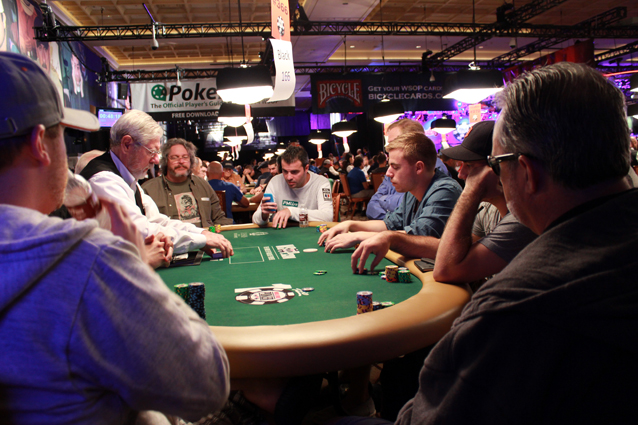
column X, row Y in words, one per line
column 321, row 331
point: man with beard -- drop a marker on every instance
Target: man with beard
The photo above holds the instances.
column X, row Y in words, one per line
column 178, row 183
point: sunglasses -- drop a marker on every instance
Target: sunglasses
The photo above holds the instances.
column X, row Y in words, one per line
column 495, row 161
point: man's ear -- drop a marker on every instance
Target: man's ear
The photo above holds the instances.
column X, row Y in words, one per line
column 127, row 143
column 38, row 149
column 419, row 167
column 532, row 174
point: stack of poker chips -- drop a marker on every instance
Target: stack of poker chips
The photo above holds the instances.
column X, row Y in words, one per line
column 182, row 290
column 404, row 275
column 322, row 228
column 364, row 302
column 196, row 295
column 392, row 273
column 216, row 228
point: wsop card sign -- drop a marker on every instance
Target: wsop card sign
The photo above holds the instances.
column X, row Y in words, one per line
column 285, row 79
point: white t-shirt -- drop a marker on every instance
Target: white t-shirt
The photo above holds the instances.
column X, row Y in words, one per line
column 315, row 195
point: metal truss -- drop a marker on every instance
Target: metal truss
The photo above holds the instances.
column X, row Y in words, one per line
column 478, row 31
column 599, row 21
column 621, row 51
column 504, row 22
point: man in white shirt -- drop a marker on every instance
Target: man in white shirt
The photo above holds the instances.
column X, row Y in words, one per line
column 135, row 144
column 294, row 187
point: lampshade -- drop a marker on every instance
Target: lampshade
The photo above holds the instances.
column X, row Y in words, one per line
column 232, row 114
column 387, row 110
column 281, row 148
column 443, row 125
column 318, row 137
column 235, row 135
column 633, row 83
column 268, row 155
column 472, row 86
column 632, row 110
column 244, row 85
column 344, row 128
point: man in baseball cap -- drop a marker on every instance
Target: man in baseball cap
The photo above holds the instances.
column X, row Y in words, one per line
column 78, row 304
column 476, row 245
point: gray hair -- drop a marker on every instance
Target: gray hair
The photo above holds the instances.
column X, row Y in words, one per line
column 571, row 119
column 139, row 125
column 166, row 148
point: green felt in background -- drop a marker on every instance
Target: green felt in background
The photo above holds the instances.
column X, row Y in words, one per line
column 257, row 263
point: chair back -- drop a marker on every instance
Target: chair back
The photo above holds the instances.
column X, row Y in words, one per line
column 335, row 187
column 336, row 207
column 221, row 194
column 377, row 179
column 344, row 184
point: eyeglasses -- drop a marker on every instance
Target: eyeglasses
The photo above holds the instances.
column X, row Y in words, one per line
column 495, row 161
column 175, row 158
column 151, row 151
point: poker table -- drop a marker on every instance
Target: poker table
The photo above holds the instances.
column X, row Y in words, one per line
column 320, row 331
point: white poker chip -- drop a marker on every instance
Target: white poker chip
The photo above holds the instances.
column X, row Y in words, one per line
column 310, row 250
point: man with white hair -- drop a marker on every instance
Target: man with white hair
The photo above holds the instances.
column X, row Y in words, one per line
column 134, row 148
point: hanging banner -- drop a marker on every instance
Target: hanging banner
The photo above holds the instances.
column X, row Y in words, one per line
column 193, row 100
column 285, row 78
column 343, row 93
column 280, row 19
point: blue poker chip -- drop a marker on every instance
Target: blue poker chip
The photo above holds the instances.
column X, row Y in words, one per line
column 308, row 289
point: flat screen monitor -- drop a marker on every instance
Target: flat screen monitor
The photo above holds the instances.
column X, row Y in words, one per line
column 108, row 116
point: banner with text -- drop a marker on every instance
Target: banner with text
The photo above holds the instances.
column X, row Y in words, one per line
column 285, row 78
column 193, row 100
column 357, row 93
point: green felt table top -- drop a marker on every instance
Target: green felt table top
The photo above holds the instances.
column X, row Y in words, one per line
column 257, row 262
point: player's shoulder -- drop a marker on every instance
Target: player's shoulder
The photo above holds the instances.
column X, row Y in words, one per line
column 153, row 183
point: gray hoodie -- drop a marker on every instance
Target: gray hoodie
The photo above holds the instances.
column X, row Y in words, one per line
column 89, row 334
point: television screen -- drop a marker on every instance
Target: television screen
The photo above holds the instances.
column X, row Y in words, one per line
column 107, row 117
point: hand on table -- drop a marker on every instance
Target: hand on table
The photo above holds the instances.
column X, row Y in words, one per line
column 121, row 225
column 257, row 190
column 156, row 252
column 280, row 219
column 332, row 232
column 216, row 242
column 344, row 240
column 378, row 245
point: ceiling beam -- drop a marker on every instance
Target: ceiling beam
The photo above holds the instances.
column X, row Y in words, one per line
column 172, row 31
column 504, row 22
column 599, row 21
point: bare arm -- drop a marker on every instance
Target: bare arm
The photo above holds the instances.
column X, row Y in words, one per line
column 411, row 246
column 459, row 258
column 244, row 202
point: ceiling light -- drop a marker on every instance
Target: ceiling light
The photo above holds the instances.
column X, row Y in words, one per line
column 352, row 47
column 235, row 135
column 633, row 83
column 418, row 47
column 244, row 85
column 472, row 86
column 268, row 155
column 318, row 137
column 344, row 128
column 632, row 110
column 443, row 125
column 387, row 111
column 232, row 114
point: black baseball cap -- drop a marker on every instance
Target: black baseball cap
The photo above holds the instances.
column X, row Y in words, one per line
column 29, row 98
column 228, row 164
column 477, row 144
column 263, row 164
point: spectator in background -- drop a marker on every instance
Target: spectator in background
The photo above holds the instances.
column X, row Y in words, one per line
column 215, row 179
column 230, row 176
column 359, row 186
column 313, row 166
column 382, row 162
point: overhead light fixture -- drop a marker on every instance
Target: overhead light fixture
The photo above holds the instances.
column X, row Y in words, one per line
column 344, row 128
column 632, row 110
column 268, row 155
column 443, row 125
column 281, row 148
column 232, row 114
column 387, row 111
column 318, row 137
column 235, row 135
column 472, row 86
column 633, row 83
column 179, row 83
column 244, row 85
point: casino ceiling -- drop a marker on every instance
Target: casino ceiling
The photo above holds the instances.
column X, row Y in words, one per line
column 355, row 35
